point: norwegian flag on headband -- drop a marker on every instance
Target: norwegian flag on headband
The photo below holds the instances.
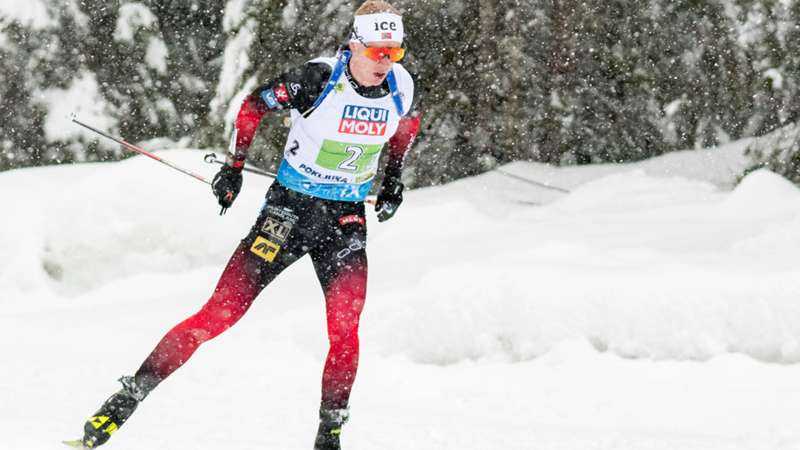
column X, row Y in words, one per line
column 377, row 27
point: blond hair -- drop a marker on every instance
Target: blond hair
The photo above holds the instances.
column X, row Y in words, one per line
column 376, row 7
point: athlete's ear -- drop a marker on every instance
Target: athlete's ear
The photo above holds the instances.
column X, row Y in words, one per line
column 354, row 46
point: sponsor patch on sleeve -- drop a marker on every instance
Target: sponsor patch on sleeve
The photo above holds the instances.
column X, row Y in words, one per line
column 281, row 94
column 352, row 218
column 269, row 98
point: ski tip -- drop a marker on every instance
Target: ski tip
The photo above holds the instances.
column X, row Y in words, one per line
column 77, row 443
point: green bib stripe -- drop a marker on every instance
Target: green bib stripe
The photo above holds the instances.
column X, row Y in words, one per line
column 353, row 158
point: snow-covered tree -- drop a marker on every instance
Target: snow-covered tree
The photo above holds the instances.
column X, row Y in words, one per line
column 557, row 81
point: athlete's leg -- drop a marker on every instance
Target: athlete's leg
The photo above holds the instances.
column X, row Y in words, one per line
column 256, row 262
column 240, row 283
column 345, row 287
column 269, row 248
column 342, row 270
column 341, row 265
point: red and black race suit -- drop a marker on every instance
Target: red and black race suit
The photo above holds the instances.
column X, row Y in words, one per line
column 290, row 225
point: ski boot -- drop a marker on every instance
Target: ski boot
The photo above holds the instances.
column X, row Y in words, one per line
column 330, row 427
column 114, row 412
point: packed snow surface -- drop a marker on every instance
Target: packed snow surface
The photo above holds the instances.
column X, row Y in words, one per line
column 652, row 306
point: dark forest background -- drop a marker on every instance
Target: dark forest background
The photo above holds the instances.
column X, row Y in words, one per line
column 554, row 81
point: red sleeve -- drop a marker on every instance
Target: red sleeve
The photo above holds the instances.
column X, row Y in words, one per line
column 296, row 89
column 399, row 144
column 247, row 121
column 404, row 137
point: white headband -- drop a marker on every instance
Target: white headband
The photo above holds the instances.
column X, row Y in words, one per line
column 377, row 27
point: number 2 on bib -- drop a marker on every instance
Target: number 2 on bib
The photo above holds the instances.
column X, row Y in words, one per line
column 349, row 163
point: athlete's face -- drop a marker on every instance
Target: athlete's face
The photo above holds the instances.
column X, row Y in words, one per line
column 366, row 71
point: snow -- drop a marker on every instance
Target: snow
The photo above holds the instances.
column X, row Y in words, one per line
column 72, row 7
column 133, row 16
column 231, row 91
column 157, row 54
column 290, row 14
column 31, row 13
column 775, row 76
column 235, row 13
column 81, row 98
column 654, row 306
column 672, row 108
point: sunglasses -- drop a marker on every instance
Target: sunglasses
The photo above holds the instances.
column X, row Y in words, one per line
column 394, row 54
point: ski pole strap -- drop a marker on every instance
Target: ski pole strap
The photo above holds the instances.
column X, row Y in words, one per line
column 398, row 101
column 344, row 57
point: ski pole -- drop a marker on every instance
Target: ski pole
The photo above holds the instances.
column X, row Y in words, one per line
column 211, row 158
column 533, row 182
column 142, row 151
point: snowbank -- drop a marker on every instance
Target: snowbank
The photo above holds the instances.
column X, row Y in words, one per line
column 646, row 267
column 644, row 260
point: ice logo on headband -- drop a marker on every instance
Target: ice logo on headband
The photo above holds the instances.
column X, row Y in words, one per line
column 378, row 27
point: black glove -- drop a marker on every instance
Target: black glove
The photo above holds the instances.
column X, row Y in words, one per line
column 389, row 199
column 226, row 186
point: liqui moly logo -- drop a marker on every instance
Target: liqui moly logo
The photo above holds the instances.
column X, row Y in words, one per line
column 364, row 120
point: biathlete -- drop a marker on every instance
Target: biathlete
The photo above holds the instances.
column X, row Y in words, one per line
column 344, row 110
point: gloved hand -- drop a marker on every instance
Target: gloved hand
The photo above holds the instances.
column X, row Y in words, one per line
column 226, row 186
column 389, row 199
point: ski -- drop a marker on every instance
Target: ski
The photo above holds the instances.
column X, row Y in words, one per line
column 77, row 443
